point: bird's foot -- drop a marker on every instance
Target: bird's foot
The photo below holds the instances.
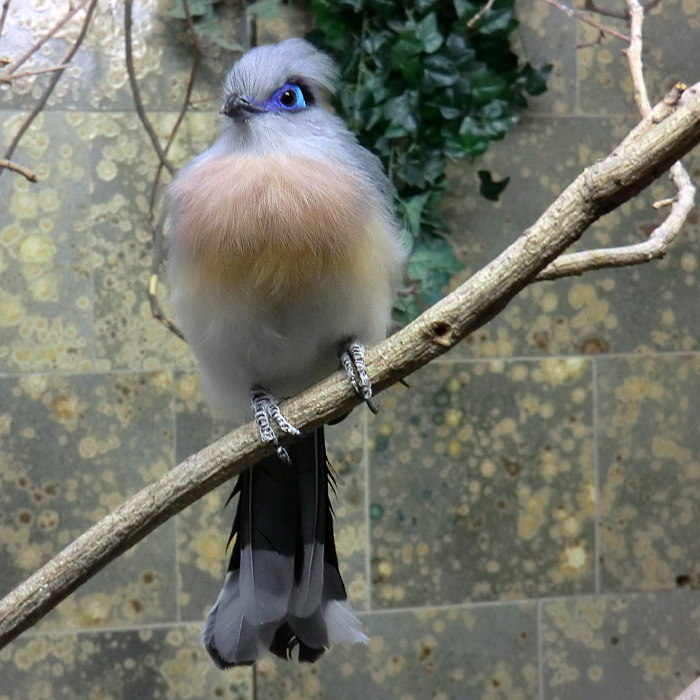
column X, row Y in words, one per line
column 353, row 361
column 265, row 411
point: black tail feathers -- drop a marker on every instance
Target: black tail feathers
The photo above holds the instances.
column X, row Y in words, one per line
column 283, row 591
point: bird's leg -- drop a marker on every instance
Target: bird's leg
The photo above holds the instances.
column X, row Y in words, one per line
column 266, row 410
column 353, row 361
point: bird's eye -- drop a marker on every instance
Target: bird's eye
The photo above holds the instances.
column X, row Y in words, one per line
column 291, row 97
column 288, row 98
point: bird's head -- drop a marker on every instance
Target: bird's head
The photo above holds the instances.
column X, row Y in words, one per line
column 284, row 79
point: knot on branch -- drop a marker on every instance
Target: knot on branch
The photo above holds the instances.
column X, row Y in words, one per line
column 441, row 333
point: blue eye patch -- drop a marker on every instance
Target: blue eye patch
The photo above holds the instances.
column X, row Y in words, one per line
column 289, row 98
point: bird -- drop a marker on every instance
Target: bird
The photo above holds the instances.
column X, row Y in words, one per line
column 285, row 256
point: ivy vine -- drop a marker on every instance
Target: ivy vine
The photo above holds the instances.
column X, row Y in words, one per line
column 422, row 81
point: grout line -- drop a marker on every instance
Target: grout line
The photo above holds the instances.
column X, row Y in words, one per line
column 379, row 612
column 176, row 519
column 540, row 648
column 444, row 359
column 596, row 481
column 368, row 523
column 96, row 372
column 108, row 630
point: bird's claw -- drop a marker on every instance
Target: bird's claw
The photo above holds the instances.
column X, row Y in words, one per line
column 265, row 411
column 353, row 361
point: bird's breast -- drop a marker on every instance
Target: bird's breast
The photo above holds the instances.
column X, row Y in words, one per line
column 273, row 226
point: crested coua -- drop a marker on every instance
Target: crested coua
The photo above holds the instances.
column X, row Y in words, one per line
column 284, row 260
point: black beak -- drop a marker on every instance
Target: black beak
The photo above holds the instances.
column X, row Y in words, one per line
column 238, row 107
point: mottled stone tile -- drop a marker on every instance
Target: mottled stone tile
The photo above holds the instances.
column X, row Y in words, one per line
column 649, row 454
column 124, row 167
column 46, row 289
column 73, row 448
column 25, row 25
column 146, row 663
column 163, row 56
column 642, row 309
column 481, row 484
column 547, row 35
column 613, row 647
column 671, row 49
column 203, row 529
column 484, row 652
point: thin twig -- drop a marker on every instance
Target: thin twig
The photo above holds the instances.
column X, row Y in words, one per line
column 158, row 240
column 590, row 6
column 156, row 262
column 607, row 184
column 21, row 169
column 52, row 84
column 634, row 57
column 61, row 23
column 29, row 73
column 656, row 245
column 587, row 20
column 188, row 93
column 3, row 15
column 480, row 13
column 140, row 110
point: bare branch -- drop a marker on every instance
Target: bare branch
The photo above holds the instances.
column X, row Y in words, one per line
column 52, row 83
column 590, row 6
column 158, row 241
column 653, row 248
column 16, row 76
column 188, row 93
column 633, row 165
column 3, row 14
column 480, row 13
column 587, row 20
column 140, row 110
column 21, row 169
column 158, row 250
column 656, row 245
column 634, row 57
column 35, row 47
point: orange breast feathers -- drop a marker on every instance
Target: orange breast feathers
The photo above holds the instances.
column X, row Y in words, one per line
column 276, row 225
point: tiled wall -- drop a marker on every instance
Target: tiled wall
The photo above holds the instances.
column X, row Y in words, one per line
column 521, row 523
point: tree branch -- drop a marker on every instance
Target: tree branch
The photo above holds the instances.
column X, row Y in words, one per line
column 657, row 244
column 52, row 83
column 30, row 175
column 35, row 47
column 641, row 158
column 3, row 14
column 196, row 61
column 30, row 73
column 480, row 13
column 140, row 110
column 587, row 20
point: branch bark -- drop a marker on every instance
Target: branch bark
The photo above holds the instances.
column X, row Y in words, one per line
column 31, row 176
column 642, row 157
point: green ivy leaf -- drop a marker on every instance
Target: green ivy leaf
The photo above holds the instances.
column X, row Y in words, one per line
column 439, row 71
column 428, row 34
column 489, row 188
column 197, row 8
column 412, row 211
column 432, row 263
column 266, row 10
column 400, row 111
column 495, row 21
column 535, row 80
column 420, row 86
